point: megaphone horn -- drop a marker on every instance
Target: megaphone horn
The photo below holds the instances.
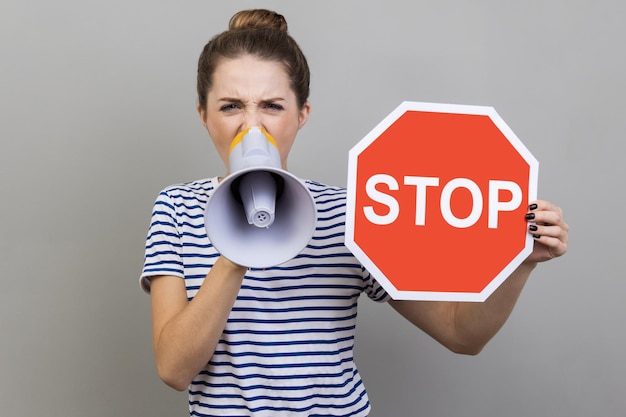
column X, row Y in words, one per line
column 260, row 215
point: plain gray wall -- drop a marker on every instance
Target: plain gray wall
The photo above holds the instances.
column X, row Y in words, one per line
column 97, row 103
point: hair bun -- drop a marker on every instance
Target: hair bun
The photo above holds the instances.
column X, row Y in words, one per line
column 258, row 19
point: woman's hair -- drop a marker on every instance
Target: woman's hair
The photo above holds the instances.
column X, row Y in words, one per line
column 259, row 33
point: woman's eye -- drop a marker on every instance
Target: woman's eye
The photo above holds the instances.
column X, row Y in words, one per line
column 273, row 106
column 228, row 107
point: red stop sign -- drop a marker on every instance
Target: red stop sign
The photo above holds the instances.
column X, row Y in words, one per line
column 436, row 200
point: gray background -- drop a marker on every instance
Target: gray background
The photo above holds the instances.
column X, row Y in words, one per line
column 98, row 114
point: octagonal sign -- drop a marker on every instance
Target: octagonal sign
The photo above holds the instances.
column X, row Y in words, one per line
column 437, row 195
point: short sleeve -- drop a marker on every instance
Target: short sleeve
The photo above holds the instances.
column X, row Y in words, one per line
column 373, row 289
column 163, row 243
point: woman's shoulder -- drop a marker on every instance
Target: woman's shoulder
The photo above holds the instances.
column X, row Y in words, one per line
column 200, row 188
column 317, row 187
column 328, row 198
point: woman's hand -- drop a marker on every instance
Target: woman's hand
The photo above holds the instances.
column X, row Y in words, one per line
column 546, row 224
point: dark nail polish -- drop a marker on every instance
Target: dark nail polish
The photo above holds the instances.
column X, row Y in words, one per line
column 533, row 228
column 530, row 216
column 533, row 206
column 536, row 236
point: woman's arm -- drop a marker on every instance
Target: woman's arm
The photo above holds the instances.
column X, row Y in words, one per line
column 466, row 327
column 185, row 334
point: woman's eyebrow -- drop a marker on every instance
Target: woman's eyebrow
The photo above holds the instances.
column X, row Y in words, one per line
column 263, row 100
column 228, row 99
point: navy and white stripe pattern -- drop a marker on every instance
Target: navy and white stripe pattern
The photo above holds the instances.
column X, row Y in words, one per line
column 287, row 348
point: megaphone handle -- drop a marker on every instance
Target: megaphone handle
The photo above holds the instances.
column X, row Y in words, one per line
column 258, row 195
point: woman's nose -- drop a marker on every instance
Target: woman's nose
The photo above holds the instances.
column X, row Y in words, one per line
column 252, row 119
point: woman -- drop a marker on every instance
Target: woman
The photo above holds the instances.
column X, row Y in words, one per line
column 279, row 341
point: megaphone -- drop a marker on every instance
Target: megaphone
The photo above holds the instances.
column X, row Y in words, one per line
column 259, row 215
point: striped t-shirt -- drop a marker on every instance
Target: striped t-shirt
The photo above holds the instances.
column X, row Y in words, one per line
column 287, row 348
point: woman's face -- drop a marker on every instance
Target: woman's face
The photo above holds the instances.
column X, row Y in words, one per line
column 247, row 92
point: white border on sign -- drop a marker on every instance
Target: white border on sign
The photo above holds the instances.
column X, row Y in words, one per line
column 351, row 200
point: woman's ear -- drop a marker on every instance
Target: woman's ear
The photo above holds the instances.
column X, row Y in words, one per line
column 304, row 114
column 202, row 114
